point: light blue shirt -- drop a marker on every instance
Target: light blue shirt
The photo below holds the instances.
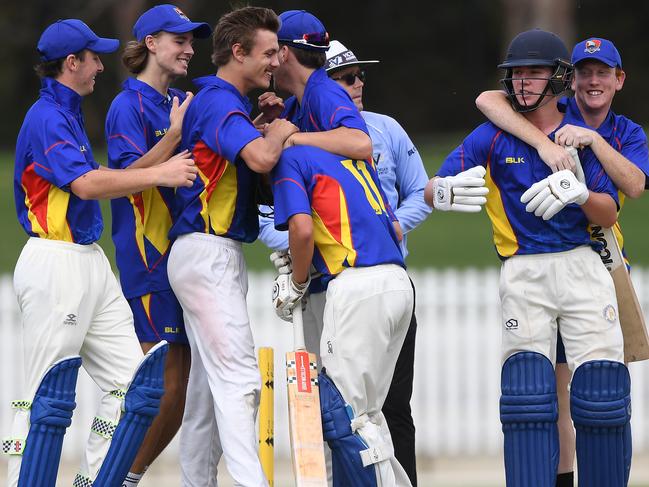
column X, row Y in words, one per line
column 401, row 173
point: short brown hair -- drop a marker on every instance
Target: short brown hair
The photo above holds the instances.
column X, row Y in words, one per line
column 51, row 69
column 309, row 58
column 135, row 56
column 240, row 26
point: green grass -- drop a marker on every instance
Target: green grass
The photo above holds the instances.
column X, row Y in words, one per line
column 443, row 240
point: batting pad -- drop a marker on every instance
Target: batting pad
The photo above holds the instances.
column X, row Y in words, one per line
column 528, row 413
column 600, row 405
column 141, row 406
column 50, row 415
column 346, row 446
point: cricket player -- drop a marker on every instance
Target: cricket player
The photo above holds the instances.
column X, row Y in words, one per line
column 206, row 267
column 403, row 178
column 70, row 301
column 618, row 143
column 143, row 128
column 319, row 107
column 551, row 275
column 339, row 222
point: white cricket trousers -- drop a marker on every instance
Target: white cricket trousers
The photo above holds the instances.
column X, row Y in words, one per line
column 71, row 304
column 208, row 275
column 570, row 289
column 366, row 317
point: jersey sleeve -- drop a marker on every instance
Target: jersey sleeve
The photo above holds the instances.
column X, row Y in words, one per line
column 230, row 134
column 473, row 151
column 58, row 157
column 634, row 148
column 125, row 134
column 333, row 109
column 596, row 178
column 411, row 179
column 290, row 191
column 271, row 237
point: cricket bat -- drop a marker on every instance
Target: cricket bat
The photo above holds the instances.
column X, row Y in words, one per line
column 634, row 328
column 266, row 413
column 305, row 424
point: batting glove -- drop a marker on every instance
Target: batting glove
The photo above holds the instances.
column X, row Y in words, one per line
column 464, row 192
column 281, row 259
column 287, row 294
column 549, row 196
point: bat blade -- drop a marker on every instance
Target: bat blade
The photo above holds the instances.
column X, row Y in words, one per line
column 634, row 328
column 307, row 447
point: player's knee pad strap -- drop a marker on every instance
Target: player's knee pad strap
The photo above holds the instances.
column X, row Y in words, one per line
column 528, row 413
column 600, row 405
column 141, row 405
column 346, row 446
column 50, row 415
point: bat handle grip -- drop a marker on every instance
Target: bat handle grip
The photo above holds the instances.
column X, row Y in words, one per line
column 579, row 171
column 298, row 328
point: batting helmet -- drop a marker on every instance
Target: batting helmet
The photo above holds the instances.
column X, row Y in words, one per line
column 537, row 48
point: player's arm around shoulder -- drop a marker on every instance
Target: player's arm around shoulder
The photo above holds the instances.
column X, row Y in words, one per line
column 262, row 153
column 104, row 183
column 626, row 175
column 348, row 142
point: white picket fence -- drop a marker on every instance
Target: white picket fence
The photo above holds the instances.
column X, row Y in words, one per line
column 455, row 403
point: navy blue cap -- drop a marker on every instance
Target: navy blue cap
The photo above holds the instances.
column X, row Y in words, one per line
column 303, row 30
column 69, row 36
column 168, row 18
column 598, row 49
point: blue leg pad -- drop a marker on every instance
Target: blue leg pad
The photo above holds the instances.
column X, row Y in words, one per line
column 345, row 445
column 141, row 406
column 528, row 413
column 50, row 415
column 600, row 405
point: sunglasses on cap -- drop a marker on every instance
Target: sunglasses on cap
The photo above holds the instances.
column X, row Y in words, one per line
column 314, row 39
column 350, row 78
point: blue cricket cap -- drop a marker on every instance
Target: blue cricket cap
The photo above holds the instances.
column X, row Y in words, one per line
column 303, row 30
column 168, row 18
column 69, row 36
column 598, row 49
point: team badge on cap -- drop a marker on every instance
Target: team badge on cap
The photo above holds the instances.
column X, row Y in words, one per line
column 593, row 45
column 181, row 14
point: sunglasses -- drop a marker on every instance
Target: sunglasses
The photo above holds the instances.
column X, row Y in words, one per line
column 313, row 39
column 350, row 78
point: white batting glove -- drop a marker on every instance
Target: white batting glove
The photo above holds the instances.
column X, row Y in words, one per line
column 281, row 259
column 549, row 196
column 287, row 295
column 464, row 192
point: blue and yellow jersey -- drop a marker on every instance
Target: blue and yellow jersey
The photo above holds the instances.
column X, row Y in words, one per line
column 52, row 151
column 352, row 223
column 137, row 119
column 626, row 137
column 325, row 106
column 512, row 167
column 216, row 128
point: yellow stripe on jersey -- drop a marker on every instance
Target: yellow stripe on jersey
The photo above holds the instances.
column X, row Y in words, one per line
column 345, row 230
column 223, row 201
column 146, row 304
column 57, row 212
column 504, row 236
column 139, row 227
column 372, row 198
column 334, row 253
column 155, row 222
column 36, row 226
